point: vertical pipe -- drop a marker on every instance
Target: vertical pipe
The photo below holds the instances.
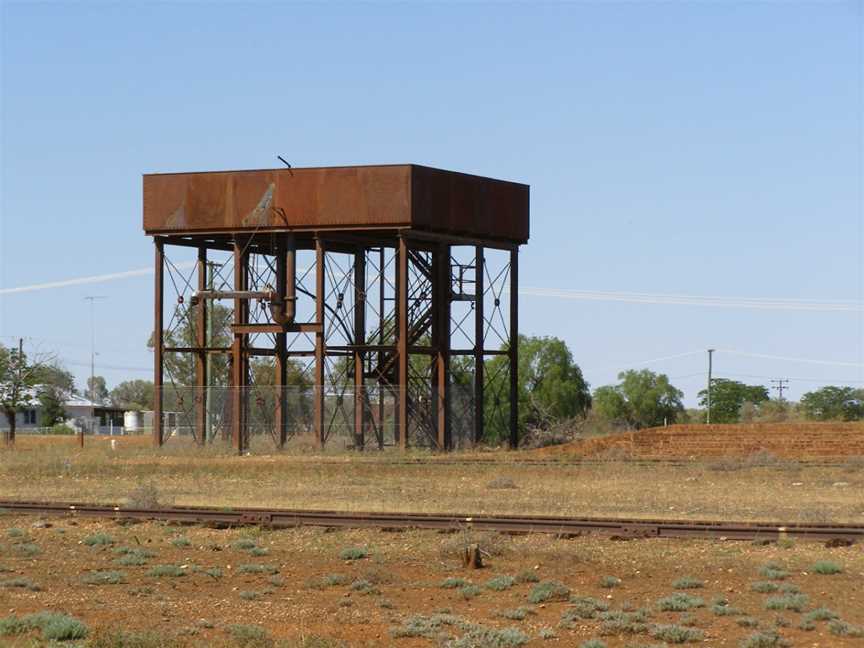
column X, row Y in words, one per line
column 320, row 257
column 514, row 348
column 238, row 359
column 280, row 354
column 359, row 339
column 441, row 290
column 201, row 354
column 402, row 341
column 158, row 341
column 479, row 329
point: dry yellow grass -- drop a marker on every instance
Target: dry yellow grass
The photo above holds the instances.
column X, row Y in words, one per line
column 40, row 470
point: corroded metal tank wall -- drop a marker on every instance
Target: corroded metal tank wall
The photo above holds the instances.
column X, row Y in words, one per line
column 343, row 198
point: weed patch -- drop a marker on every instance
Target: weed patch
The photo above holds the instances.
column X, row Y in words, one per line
column 679, row 602
column 676, row 634
column 170, row 571
column 104, row 578
column 500, row 583
column 353, row 553
column 548, row 591
column 794, row 602
column 827, row 568
column 98, row 540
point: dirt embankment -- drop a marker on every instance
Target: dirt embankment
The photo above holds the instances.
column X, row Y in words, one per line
column 787, row 440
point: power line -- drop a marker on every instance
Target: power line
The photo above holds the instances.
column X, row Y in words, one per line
column 717, row 301
column 766, row 356
column 759, row 303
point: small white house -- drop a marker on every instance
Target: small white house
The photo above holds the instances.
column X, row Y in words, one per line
column 81, row 413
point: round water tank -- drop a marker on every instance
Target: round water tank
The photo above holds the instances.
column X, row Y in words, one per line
column 133, row 421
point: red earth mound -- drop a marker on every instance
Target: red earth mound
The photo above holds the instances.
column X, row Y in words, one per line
column 786, row 440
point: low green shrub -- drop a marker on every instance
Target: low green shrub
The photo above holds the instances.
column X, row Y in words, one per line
column 827, row 568
column 842, row 629
column 353, row 553
column 794, row 602
column 171, row 571
column 98, row 540
column 676, row 634
column 680, row 602
column 104, row 578
column 500, row 583
column 548, row 591
column 773, row 571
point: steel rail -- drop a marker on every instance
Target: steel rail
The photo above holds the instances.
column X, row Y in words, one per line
column 282, row 518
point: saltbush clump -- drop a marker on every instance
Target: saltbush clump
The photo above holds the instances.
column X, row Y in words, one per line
column 827, row 568
column 548, row 591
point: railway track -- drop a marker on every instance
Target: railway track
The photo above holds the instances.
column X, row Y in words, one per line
column 569, row 527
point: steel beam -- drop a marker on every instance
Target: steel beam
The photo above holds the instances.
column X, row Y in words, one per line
column 479, row 333
column 441, row 342
column 402, row 341
column 239, row 360
column 514, row 348
column 319, row 387
column 280, row 379
column 359, row 341
column 158, row 341
column 201, row 360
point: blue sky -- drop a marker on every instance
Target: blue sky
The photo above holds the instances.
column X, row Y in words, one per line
column 696, row 148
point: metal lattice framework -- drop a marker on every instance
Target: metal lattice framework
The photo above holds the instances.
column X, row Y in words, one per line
column 373, row 335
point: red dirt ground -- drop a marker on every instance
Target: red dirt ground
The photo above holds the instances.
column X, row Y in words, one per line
column 800, row 441
column 406, row 571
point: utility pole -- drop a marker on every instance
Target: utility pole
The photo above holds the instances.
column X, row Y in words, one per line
column 710, row 362
column 780, row 384
column 92, row 299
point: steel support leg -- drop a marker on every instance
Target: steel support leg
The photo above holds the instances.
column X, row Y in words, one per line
column 239, row 363
column 201, row 359
column 359, row 339
column 158, row 342
column 479, row 332
column 280, row 397
column 320, row 296
column 441, row 342
column 402, row 341
column 514, row 348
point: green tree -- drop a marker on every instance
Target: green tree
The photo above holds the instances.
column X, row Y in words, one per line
column 642, row 399
column 133, row 395
column 18, row 379
column 833, row 403
column 55, row 375
column 551, row 387
column 97, row 390
column 729, row 396
column 55, row 385
column 180, row 367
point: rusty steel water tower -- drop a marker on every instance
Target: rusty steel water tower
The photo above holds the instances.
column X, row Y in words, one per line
column 376, row 304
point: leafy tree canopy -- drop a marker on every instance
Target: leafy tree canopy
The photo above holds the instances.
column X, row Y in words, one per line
column 642, row 399
column 551, row 386
column 97, row 390
column 18, row 377
column 833, row 404
column 727, row 398
column 133, row 395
